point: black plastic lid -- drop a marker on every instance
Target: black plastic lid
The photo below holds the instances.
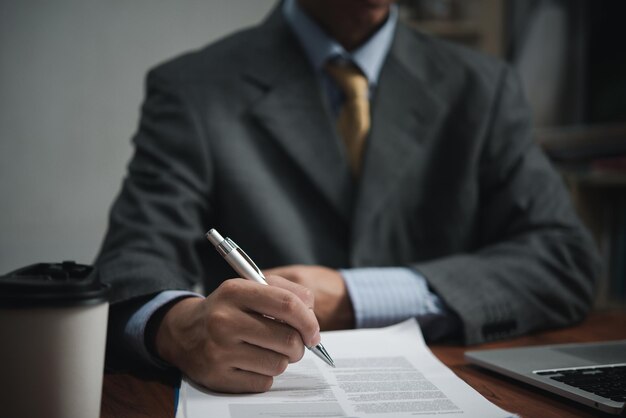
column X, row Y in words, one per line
column 51, row 284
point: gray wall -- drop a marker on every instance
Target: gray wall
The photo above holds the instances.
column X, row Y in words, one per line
column 71, row 83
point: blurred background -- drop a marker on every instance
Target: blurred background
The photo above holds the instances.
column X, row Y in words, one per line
column 71, row 83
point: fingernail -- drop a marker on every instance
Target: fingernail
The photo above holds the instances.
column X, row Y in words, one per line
column 316, row 338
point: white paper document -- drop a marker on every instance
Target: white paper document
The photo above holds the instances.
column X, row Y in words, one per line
column 387, row 372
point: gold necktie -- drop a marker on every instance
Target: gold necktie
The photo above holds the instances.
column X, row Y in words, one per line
column 354, row 116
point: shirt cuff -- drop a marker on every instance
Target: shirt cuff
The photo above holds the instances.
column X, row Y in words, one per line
column 135, row 329
column 384, row 296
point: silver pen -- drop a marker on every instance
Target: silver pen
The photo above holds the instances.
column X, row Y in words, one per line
column 245, row 267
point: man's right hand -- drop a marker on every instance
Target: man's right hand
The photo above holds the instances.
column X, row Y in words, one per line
column 225, row 342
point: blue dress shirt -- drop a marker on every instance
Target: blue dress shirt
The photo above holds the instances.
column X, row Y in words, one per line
column 380, row 296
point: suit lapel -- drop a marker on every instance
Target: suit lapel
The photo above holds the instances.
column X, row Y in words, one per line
column 294, row 111
column 404, row 116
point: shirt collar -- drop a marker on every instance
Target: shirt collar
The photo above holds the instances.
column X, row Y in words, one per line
column 320, row 47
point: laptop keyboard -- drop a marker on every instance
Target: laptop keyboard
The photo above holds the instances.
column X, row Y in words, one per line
column 606, row 381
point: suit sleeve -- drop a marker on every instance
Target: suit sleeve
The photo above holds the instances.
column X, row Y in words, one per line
column 157, row 222
column 536, row 264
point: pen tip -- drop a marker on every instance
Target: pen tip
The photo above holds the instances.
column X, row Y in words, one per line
column 321, row 352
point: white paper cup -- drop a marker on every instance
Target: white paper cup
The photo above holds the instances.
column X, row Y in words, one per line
column 52, row 342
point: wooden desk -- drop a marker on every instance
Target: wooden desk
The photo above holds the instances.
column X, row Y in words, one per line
column 129, row 396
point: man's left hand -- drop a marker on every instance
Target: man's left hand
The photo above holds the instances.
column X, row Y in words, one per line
column 333, row 306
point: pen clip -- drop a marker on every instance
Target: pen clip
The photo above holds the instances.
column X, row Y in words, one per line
column 245, row 256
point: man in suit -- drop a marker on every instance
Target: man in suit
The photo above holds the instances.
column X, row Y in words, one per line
column 445, row 210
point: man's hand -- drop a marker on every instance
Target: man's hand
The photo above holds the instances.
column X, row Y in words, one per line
column 333, row 306
column 226, row 344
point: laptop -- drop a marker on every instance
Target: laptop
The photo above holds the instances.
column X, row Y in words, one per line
column 593, row 374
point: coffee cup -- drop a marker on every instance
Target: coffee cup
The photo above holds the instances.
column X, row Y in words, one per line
column 53, row 322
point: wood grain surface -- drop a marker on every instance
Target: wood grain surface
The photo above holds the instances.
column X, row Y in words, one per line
column 133, row 396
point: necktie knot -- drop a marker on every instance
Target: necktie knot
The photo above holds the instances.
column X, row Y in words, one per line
column 350, row 80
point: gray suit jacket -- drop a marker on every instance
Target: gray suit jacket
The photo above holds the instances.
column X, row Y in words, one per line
column 238, row 136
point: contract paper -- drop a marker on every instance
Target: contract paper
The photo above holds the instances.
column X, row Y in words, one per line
column 386, row 372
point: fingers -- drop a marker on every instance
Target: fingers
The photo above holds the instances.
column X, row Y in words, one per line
column 249, row 364
column 305, row 294
column 243, row 368
column 240, row 381
column 258, row 360
column 227, row 378
column 274, row 302
column 278, row 337
column 226, row 344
